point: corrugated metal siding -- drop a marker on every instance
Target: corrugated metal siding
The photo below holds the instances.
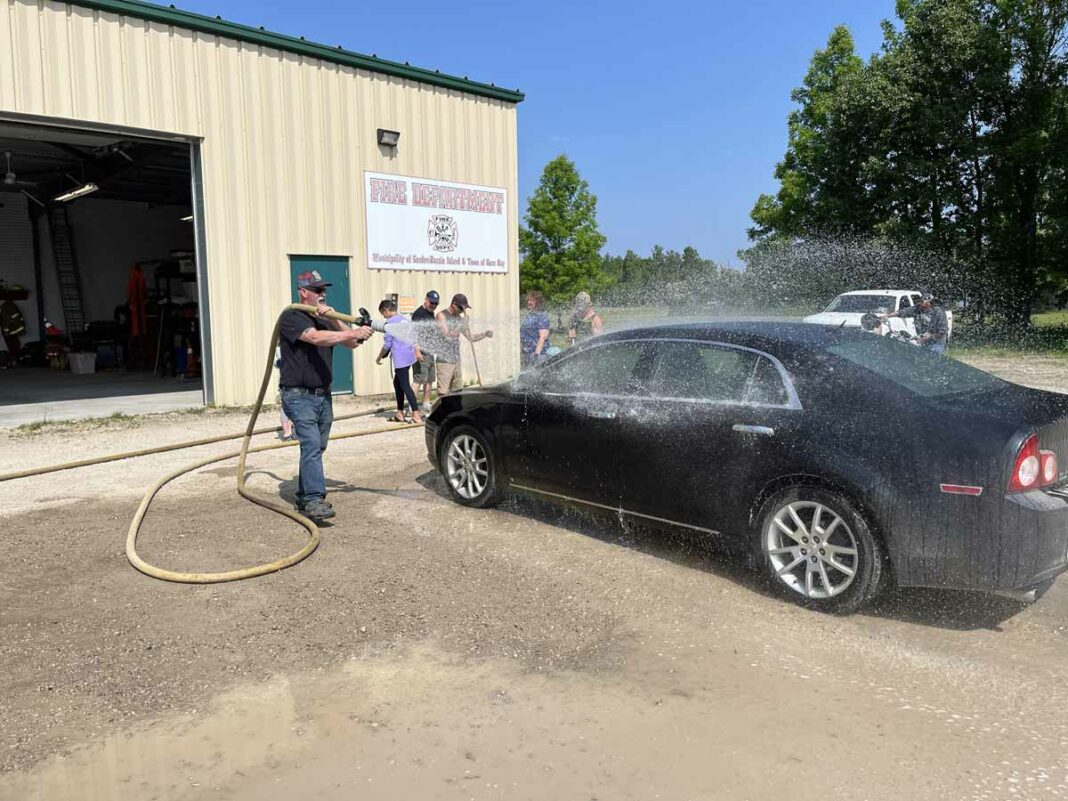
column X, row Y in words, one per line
column 286, row 140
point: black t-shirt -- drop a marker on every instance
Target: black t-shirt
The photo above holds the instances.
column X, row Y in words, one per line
column 423, row 319
column 304, row 364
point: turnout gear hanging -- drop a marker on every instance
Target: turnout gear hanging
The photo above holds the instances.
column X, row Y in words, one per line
column 12, row 323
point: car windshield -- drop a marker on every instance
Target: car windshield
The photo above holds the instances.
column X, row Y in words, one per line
column 916, row 369
column 861, row 303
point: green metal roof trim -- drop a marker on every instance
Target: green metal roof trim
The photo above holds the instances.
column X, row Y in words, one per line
column 169, row 15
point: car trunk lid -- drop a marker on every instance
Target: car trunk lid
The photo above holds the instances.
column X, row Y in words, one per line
column 1013, row 413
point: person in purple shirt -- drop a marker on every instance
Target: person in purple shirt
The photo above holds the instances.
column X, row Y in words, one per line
column 400, row 345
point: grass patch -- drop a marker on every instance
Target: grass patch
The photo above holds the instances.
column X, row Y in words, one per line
column 617, row 318
column 1001, row 352
column 116, row 420
column 31, row 428
column 120, row 420
column 1050, row 319
column 1048, row 335
column 1039, row 340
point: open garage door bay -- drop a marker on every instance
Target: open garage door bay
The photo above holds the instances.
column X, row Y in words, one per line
column 98, row 271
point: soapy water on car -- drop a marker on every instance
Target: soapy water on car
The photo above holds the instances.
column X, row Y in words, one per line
column 781, row 283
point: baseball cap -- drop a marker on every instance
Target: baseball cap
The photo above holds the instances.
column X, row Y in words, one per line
column 460, row 301
column 433, row 296
column 312, row 280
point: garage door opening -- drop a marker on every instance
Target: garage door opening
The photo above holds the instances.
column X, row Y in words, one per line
column 99, row 294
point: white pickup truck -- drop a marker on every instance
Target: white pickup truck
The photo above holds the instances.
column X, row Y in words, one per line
column 849, row 307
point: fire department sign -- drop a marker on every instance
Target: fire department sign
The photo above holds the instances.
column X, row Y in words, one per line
column 422, row 224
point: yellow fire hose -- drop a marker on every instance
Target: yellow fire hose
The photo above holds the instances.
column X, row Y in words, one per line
column 229, row 575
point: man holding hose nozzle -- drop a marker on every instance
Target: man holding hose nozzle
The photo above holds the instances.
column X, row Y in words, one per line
column 307, row 343
column 932, row 323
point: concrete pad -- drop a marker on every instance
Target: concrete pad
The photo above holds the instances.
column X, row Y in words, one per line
column 33, row 394
column 13, row 415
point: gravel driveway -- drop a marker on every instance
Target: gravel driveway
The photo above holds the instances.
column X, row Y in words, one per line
column 429, row 651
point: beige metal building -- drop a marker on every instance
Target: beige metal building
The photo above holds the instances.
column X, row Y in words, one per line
column 268, row 143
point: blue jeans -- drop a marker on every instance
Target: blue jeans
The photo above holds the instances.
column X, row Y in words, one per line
column 937, row 347
column 312, row 416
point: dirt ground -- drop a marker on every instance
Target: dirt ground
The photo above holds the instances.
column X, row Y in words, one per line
column 434, row 652
column 1041, row 372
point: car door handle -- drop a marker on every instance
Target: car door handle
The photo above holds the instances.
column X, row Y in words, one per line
column 745, row 429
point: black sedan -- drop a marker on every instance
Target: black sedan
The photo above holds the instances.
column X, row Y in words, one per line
column 842, row 459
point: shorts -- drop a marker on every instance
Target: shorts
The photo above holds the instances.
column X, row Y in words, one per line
column 423, row 372
column 450, row 378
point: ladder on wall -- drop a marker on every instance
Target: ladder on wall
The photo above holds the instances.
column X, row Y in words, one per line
column 70, row 285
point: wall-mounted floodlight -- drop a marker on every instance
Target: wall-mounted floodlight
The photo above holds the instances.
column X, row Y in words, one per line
column 81, row 191
column 388, row 138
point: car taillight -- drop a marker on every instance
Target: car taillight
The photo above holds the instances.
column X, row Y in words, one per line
column 1027, row 470
column 1049, row 467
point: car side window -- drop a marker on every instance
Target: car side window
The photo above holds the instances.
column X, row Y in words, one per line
column 766, row 385
column 705, row 371
column 616, row 368
column 905, row 302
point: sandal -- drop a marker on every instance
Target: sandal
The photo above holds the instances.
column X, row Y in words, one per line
column 416, row 419
column 397, row 418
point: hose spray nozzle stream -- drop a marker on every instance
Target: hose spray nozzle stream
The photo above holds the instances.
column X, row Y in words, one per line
column 399, row 327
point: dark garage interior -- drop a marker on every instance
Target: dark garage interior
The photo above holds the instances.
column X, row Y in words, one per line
column 98, row 275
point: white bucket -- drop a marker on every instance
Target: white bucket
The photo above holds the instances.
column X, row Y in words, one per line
column 82, row 363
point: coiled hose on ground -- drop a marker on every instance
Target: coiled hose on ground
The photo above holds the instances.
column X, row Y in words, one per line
column 250, row 430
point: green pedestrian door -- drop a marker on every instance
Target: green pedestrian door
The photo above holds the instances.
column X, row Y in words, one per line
column 336, row 271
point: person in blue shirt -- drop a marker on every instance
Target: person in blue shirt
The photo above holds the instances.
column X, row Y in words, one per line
column 533, row 331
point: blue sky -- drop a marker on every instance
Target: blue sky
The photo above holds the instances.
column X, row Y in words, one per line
column 675, row 112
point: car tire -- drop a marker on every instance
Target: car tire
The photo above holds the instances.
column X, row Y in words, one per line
column 816, row 548
column 469, row 467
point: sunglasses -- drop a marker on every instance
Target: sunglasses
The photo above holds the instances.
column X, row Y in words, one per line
column 317, row 290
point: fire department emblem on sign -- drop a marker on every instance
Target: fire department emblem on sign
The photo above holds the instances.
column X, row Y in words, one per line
column 442, row 233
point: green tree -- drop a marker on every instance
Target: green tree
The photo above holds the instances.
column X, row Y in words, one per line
column 1030, row 142
column 623, row 273
column 952, row 141
column 817, row 179
column 667, row 277
column 560, row 244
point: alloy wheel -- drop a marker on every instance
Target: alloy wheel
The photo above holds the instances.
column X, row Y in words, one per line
column 812, row 549
column 467, row 466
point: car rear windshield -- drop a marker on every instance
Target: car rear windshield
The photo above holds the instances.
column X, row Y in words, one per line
column 916, row 369
column 860, row 303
